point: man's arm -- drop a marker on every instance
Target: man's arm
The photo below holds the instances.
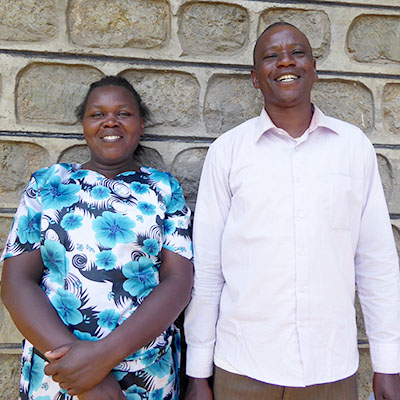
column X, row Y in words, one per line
column 378, row 282
column 212, row 208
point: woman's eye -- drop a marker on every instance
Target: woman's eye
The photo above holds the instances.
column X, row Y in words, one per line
column 124, row 113
column 270, row 56
column 96, row 115
column 298, row 52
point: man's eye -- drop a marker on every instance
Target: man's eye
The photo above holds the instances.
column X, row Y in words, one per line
column 270, row 56
column 298, row 52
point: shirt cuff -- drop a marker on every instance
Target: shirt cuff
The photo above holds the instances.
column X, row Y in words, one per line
column 385, row 357
column 199, row 362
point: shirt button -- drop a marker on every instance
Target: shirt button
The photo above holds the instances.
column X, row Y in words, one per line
column 301, row 252
column 299, row 214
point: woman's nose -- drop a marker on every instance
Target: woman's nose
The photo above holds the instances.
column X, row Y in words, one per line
column 110, row 121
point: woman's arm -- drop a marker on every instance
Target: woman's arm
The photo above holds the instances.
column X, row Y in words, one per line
column 29, row 306
column 90, row 362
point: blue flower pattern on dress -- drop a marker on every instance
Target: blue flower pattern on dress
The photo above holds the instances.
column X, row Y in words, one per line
column 141, row 277
column 71, row 221
column 113, row 228
column 101, row 242
column 29, row 227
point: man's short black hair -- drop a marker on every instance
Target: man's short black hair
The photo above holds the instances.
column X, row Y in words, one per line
column 275, row 24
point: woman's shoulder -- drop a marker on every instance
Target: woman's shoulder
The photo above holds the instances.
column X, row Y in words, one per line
column 61, row 170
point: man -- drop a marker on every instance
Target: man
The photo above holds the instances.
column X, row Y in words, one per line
column 290, row 216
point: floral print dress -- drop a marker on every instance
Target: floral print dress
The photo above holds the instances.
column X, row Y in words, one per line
column 101, row 241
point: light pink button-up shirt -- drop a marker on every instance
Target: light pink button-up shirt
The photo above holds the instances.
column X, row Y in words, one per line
column 284, row 229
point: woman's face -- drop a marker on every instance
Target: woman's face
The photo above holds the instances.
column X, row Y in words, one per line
column 112, row 126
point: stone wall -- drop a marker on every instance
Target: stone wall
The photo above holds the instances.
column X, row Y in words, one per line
column 190, row 60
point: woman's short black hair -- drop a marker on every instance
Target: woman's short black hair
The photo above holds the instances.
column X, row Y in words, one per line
column 113, row 80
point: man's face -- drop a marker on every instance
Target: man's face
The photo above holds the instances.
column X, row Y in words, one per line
column 284, row 68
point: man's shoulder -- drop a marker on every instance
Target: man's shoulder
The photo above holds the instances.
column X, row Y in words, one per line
column 342, row 127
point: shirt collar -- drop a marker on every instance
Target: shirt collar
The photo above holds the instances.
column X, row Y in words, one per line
column 319, row 120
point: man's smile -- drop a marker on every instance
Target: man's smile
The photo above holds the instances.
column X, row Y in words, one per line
column 287, row 78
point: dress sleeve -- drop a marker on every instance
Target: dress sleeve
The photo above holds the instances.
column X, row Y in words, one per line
column 24, row 235
column 176, row 225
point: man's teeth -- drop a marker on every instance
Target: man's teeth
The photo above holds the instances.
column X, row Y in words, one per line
column 287, row 78
column 111, row 137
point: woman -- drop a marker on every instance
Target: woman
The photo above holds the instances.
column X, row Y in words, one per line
column 97, row 265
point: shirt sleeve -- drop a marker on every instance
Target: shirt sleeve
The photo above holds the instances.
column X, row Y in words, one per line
column 377, row 273
column 176, row 224
column 24, row 235
column 212, row 208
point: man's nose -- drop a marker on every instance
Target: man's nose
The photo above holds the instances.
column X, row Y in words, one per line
column 285, row 59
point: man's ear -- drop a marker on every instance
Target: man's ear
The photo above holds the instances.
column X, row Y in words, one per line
column 254, row 79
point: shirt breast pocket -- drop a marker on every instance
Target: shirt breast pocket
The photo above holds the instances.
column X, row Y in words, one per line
column 339, row 201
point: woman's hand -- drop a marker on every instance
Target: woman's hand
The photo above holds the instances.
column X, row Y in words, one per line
column 79, row 366
column 108, row 389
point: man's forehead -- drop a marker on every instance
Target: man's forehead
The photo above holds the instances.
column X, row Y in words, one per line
column 266, row 39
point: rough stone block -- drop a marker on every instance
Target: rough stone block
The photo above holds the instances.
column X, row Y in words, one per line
column 389, row 168
column 230, row 100
column 314, row 23
column 391, row 107
column 361, row 334
column 374, row 38
column 396, row 234
column 350, row 101
column 50, row 93
column 18, row 161
column 27, row 20
column 364, row 376
column 5, row 226
column 145, row 156
column 9, row 376
column 214, row 29
column 8, row 332
column 187, row 168
column 119, row 23
column 172, row 97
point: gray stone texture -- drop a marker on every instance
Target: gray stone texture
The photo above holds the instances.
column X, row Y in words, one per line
column 396, row 234
column 230, row 100
column 315, row 22
column 18, row 161
column 50, row 93
column 8, row 331
column 374, row 38
column 5, row 226
column 9, row 376
column 391, row 107
column 187, row 169
column 106, row 24
column 172, row 97
column 362, row 336
column 389, row 168
column 364, row 374
column 350, row 101
column 213, row 28
column 28, row 20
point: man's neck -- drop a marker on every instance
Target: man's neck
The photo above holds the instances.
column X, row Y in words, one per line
column 294, row 120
